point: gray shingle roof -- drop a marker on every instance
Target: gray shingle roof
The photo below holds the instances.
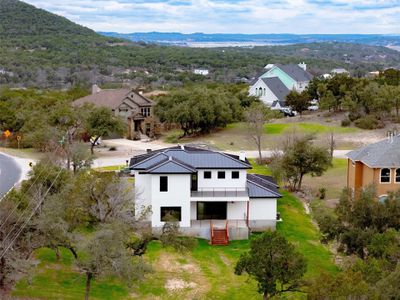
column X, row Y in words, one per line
column 295, row 72
column 277, row 87
column 262, row 187
column 385, row 153
column 190, row 157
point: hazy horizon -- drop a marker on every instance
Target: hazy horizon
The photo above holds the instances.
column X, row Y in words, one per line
column 232, row 17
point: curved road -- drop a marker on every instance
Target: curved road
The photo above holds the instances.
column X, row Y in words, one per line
column 10, row 173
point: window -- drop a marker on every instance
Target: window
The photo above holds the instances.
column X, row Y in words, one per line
column 397, row 175
column 207, row 174
column 169, row 214
column 385, row 175
column 163, row 184
column 145, row 111
column 221, row 175
column 235, row 174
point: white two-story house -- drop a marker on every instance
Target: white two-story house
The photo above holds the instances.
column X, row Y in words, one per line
column 277, row 80
column 208, row 192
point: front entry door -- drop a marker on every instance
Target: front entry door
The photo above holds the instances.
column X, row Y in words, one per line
column 211, row 210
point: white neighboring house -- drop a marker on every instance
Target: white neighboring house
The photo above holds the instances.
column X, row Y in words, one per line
column 276, row 81
column 203, row 72
column 208, row 192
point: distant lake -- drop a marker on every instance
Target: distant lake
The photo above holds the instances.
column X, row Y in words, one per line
column 225, row 44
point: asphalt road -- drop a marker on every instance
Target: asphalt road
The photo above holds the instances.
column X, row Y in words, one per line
column 10, row 173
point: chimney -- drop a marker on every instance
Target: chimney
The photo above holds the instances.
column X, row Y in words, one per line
column 182, row 147
column 242, row 155
column 95, row 89
column 303, row 65
column 140, row 92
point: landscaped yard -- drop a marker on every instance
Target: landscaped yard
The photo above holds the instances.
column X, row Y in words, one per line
column 236, row 136
column 207, row 272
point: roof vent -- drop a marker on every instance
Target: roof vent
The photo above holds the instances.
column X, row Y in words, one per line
column 170, row 158
column 182, row 147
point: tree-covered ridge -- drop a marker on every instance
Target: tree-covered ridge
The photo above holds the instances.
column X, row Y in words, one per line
column 45, row 50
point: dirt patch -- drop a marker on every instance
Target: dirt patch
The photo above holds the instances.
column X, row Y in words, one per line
column 175, row 284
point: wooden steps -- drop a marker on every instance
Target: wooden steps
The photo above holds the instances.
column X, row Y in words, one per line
column 219, row 237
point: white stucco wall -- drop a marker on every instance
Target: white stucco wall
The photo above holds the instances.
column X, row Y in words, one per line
column 268, row 98
column 301, row 86
column 220, row 184
column 178, row 195
column 142, row 193
column 193, row 210
column 237, row 210
column 262, row 209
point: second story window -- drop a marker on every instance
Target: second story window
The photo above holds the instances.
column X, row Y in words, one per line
column 221, row 175
column 398, row 176
column 235, row 174
column 163, row 184
column 207, row 174
column 385, row 175
column 145, row 111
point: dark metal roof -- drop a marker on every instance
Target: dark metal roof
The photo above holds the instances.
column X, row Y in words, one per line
column 385, row 153
column 277, row 87
column 296, row 72
column 261, row 186
column 171, row 166
column 191, row 157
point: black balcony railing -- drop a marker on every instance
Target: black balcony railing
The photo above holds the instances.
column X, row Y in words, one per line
column 221, row 192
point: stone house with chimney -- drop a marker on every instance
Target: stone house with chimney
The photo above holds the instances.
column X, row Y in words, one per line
column 134, row 107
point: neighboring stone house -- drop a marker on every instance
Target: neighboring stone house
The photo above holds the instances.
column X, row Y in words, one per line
column 276, row 82
column 210, row 193
column 376, row 164
column 129, row 104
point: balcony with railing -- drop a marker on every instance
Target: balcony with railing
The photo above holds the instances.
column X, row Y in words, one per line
column 220, row 193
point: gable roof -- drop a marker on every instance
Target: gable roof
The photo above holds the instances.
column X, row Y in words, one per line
column 295, row 72
column 261, row 186
column 190, row 157
column 385, row 153
column 171, row 166
column 112, row 99
column 277, row 87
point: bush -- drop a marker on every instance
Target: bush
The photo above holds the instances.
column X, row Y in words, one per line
column 112, row 148
column 322, row 193
column 368, row 122
column 346, row 122
column 354, row 116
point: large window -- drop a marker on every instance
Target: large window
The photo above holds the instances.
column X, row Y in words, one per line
column 170, row 214
column 397, row 175
column 235, row 174
column 221, row 175
column 163, row 184
column 385, row 175
column 207, row 174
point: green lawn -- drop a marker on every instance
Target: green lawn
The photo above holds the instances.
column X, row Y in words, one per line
column 110, row 168
column 316, row 128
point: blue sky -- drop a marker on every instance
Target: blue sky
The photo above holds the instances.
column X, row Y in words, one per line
column 234, row 16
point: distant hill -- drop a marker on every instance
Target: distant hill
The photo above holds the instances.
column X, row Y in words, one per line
column 41, row 49
column 201, row 39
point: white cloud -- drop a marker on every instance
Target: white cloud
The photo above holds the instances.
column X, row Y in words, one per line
column 235, row 16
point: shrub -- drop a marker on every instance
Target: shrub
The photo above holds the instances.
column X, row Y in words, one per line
column 112, row 148
column 368, row 122
column 322, row 193
column 346, row 122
